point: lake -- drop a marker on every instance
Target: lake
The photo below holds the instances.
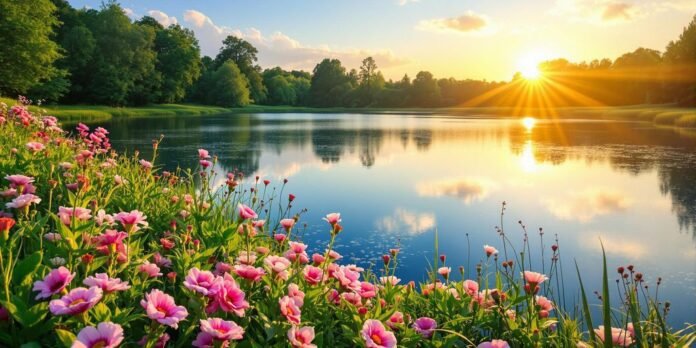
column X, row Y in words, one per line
column 399, row 179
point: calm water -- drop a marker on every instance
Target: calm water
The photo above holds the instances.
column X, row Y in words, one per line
column 396, row 179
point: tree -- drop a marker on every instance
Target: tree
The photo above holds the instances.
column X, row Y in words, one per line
column 28, row 52
column 329, row 84
column 243, row 54
column 371, row 82
column 424, row 90
column 681, row 56
column 230, row 87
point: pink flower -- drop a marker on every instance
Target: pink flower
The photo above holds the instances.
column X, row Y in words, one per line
column 279, row 237
column 145, row 164
column 203, row 154
column 444, row 272
column 471, row 287
column 131, row 221
column 425, row 326
column 296, row 294
column 619, row 337
column 150, row 269
column 391, row 280
column 34, row 146
column 102, row 218
column 107, row 284
column 333, row 218
column 205, row 163
column 230, row 298
column 53, row 283
column 297, row 252
column 347, row 277
column 161, row 307
column 376, row 335
column 23, row 201
column 287, row 224
column 545, row 306
column 534, row 277
column 80, row 214
column 246, row 212
column 246, row 258
column 110, row 241
column 78, row 300
column 18, row 180
column 221, row 268
column 313, row 275
column 222, row 329
column 202, row 282
column 490, row 250
column 289, row 309
column 494, row 344
column 367, row 290
column 53, row 237
column 278, row 265
column 105, row 335
column 249, row 272
column 301, row 337
column 203, row 340
column 396, row 320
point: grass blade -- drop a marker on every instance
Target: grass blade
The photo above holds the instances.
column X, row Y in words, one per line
column 585, row 307
column 606, row 304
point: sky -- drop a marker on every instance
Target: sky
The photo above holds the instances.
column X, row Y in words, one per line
column 482, row 39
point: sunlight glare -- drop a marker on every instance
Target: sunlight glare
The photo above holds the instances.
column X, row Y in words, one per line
column 529, row 123
column 527, row 159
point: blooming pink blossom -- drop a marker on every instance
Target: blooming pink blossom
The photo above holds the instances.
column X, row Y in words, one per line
column 471, row 287
column 490, row 250
column 246, row 257
column 53, row 283
column 347, row 277
column 313, row 275
column 391, row 280
column 105, row 335
column 149, row 269
column 287, row 224
column 161, row 307
column 494, row 344
column 251, row 273
column 66, row 214
column 23, row 201
column 301, row 337
column 34, row 146
column 230, row 298
column 367, row 290
column 297, row 252
column 102, row 218
column 18, row 180
column 202, row 282
column 289, row 309
column 444, row 271
column 107, row 284
column 534, row 277
column 223, row 330
column 78, row 300
column 296, row 294
column 545, row 306
column 205, row 163
column 396, row 320
column 109, row 241
column 278, row 265
column 145, row 164
column 332, row 218
column 203, row 154
column 376, row 335
column 619, row 337
column 203, row 340
column 131, row 221
column 245, row 212
column 425, row 326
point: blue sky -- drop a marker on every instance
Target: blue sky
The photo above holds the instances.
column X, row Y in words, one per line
column 459, row 38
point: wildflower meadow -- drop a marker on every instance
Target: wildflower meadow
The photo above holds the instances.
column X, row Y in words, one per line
column 100, row 249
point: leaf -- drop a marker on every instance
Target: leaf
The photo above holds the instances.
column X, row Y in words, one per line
column 66, row 337
column 585, row 306
column 26, row 267
column 606, row 304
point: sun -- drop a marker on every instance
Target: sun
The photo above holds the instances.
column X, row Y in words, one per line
column 530, row 72
column 528, row 64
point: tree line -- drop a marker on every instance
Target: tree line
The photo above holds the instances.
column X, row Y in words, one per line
column 54, row 52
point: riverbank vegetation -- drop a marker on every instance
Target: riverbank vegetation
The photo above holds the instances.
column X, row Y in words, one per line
column 99, row 249
column 100, row 56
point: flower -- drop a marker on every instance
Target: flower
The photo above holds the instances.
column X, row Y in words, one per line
column 202, row 282
column 297, row 252
column 376, row 335
column 246, row 212
column 444, row 271
column 105, row 335
column 425, row 326
column 223, row 330
column 53, row 237
column 6, row 223
column 287, row 224
column 494, row 344
column 471, row 287
column 332, row 218
column 23, row 201
column 110, row 241
column 230, row 298
column 490, row 250
column 301, row 337
column 396, row 320
column 289, row 309
column 150, row 269
column 278, row 265
column 619, row 337
column 391, row 280
column 534, row 277
column 53, row 283
column 145, row 164
column 107, row 284
column 131, row 221
column 66, row 214
column 161, row 307
column 78, row 300
column 34, row 146
column 203, row 154
column 545, row 306
column 249, row 272
column 19, row 180
column 313, row 275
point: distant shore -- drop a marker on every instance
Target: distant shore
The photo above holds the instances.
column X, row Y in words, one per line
column 664, row 114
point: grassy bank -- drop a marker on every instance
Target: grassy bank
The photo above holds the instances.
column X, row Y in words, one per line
column 668, row 115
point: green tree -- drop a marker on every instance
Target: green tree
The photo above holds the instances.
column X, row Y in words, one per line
column 329, row 85
column 681, row 56
column 243, row 54
column 230, row 87
column 28, row 52
column 425, row 90
column 371, row 82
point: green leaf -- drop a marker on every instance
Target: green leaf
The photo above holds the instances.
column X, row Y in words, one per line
column 606, row 304
column 66, row 337
column 26, row 267
column 585, row 306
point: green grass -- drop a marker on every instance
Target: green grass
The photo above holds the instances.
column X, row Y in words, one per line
column 666, row 114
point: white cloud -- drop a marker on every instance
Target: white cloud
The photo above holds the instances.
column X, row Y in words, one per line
column 278, row 49
column 585, row 206
column 467, row 23
column 624, row 246
column 406, row 2
column 615, row 11
column 129, row 12
column 407, row 222
column 162, row 18
column 466, row 189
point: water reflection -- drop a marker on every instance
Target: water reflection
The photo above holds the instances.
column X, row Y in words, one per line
column 396, row 179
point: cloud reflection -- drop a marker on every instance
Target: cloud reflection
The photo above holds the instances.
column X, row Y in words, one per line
column 585, row 206
column 466, row 189
column 617, row 245
column 407, row 222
